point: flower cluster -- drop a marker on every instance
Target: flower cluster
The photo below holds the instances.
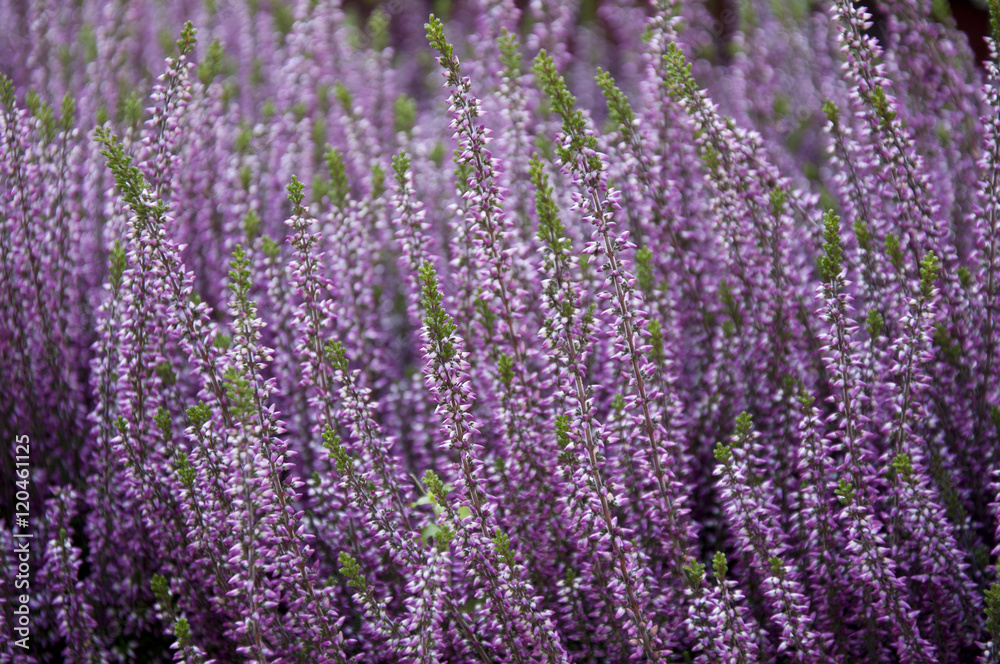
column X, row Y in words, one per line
column 610, row 349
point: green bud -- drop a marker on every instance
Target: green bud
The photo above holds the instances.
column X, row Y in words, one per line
column 182, row 630
column 510, row 53
column 644, row 270
column 505, row 366
column 343, row 460
column 831, row 112
column 295, row 194
column 343, row 96
column 435, row 35
column 619, row 110
column 863, row 234
column 184, row 470
column 118, row 262
column 930, row 268
column 161, row 589
column 845, row 492
column 199, row 415
column 744, row 426
column 894, row 251
column 336, row 355
column 965, row 277
column 163, row 422
column 270, row 248
column 283, row 17
column 187, row 41
column 656, row 340
column 695, row 573
column 562, row 431
column 830, row 262
column 502, row 543
column 211, row 65
column 251, row 226
column 902, row 466
column 881, row 103
column 435, row 486
column 400, row 165
column 406, row 113
column 350, row 568
column 874, row 323
column 720, row 565
column 723, row 453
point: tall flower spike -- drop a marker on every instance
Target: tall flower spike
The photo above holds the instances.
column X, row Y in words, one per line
column 598, row 204
column 568, row 331
column 744, row 504
column 511, row 372
column 284, row 549
column 987, row 233
column 885, row 596
column 505, row 579
column 60, row 574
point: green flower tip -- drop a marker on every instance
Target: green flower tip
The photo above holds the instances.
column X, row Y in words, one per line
column 405, row 108
column 435, row 486
column 619, row 110
column 6, row 92
column 187, row 41
column 338, row 176
column 251, row 226
column 562, row 431
column 118, row 260
column 994, row 8
column 335, row 354
column 720, row 565
column 295, row 193
column 185, row 472
column 331, row 441
column 510, row 53
column 161, row 588
column 163, row 422
column 902, row 465
column 505, row 367
column 350, row 568
column 830, row 261
column 930, row 268
column 212, row 64
column 744, row 426
column 845, row 492
column 695, row 573
column 182, row 630
column 882, row 106
column 723, row 453
column 874, row 323
column 199, row 415
column 894, row 250
column 400, row 165
column 992, row 602
column 239, row 275
column 435, row 35
column 502, row 543
column 831, row 112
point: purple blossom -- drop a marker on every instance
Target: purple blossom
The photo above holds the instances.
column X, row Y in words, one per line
column 680, row 345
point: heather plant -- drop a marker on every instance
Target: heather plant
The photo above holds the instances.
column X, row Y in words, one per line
column 546, row 331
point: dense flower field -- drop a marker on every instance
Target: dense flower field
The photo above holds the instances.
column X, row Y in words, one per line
column 540, row 332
